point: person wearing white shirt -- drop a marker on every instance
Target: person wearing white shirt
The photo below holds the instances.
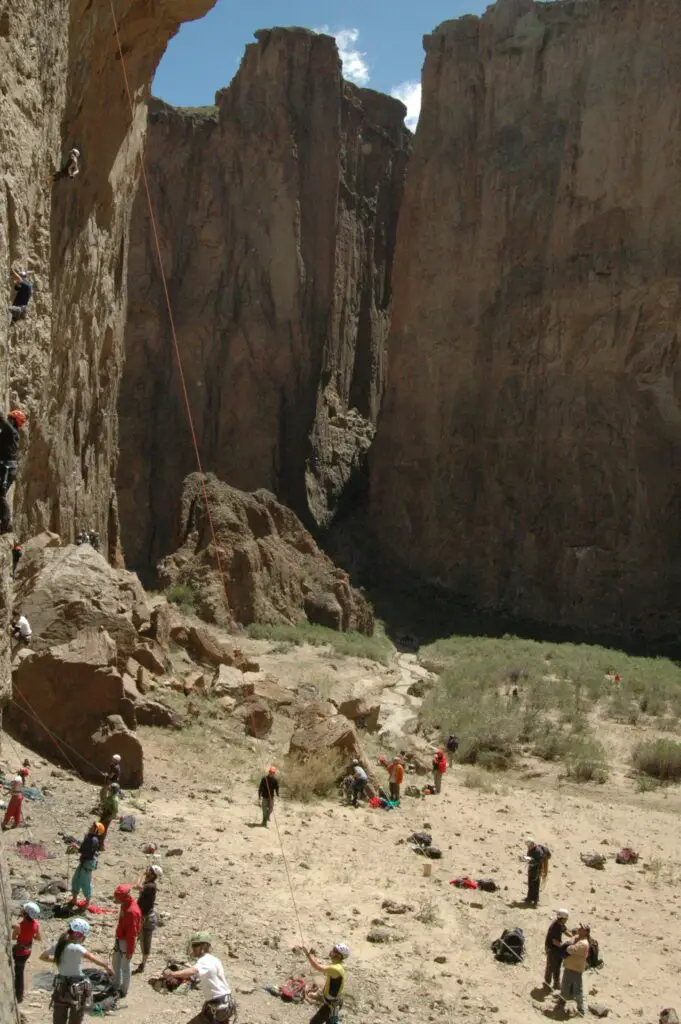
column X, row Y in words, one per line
column 21, row 629
column 219, row 1004
column 360, row 782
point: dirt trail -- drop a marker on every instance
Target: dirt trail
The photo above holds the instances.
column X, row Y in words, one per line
column 231, row 879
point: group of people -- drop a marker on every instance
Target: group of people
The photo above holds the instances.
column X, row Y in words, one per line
column 569, row 951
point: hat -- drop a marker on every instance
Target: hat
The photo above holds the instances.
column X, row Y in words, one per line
column 156, row 870
column 19, row 779
column 271, row 770
column 122, row 891
column 342, row 950
column 564, row 914
column 530, row 840
column 200, row 939
column 79, row 927
column 116, row 758
column 31, row 910
column 99, row 828
column 114, row 787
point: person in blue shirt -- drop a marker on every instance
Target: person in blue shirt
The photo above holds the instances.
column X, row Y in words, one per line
column 23, row 290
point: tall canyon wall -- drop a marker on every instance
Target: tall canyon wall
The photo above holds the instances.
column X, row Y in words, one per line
column 277, row 213
column 528, row 454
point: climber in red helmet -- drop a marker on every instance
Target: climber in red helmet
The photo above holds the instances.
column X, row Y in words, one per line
column 10, row 426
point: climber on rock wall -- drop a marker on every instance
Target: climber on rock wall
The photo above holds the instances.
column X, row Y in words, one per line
column 10, row 426
column 23, row 290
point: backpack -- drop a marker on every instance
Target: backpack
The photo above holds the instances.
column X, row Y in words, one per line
column 510, row 948
column 452, row 744
column 487, row 885
column 420, row 839
column 434, row 852
column 545, row 858
column 593, row 960
column 293, row 991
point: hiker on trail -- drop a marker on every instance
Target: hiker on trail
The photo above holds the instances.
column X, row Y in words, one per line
column 128, row 929
column 13, row 812
column 439, row 768
column 24, row 933
column 452, row 746
column 82, row 876
column 17, row 552
column 553, row 947
column 574, row 966
column 360, row 780
column 219, row 1004
column 146, row 901
column 23, row 290
column 267, row 790
column 395, row 770
column 332, row 993
column 72, row 991
column 109, row 810
column 73, row 163
column 10, row 426
column 21, row 629
column 537, row 858
column 113, row 774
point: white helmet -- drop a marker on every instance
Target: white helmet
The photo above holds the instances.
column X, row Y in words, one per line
column 74, row 152
column 342, row 950
column 79, row 927
column 116, row 758
column 156, row 870
column 19, row 779
column 31, row 910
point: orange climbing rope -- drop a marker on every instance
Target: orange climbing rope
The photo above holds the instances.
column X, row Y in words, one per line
column 187, row 403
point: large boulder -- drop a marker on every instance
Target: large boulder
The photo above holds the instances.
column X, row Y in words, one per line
column 114, row 737
column 231, row 682
column 153, row 712
column 334, row 734
column 256, row 716
column 65, row 590
column 363, row 711
column 266, row 566
column 63, row 697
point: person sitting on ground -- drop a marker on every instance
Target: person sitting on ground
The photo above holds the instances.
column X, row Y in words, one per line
column 10, row 426
column 73, row 163
column 267, row 790
column 537, row 858
column 23, row 290
column 24, row 933
column 574, row 965
column 360, row 782
column 127, row 932
column 21, row 629
column 110, row 807
column 395, row 770
column 16, row 800
column 219, row 1004
column 553, row 947
column 146, row 901
column 82, row 876
column 72, row 992
column 439, row 768
column 332, row 993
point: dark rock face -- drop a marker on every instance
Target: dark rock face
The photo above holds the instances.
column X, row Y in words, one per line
column 526, row 451
column 278, row 212
column 262, row 566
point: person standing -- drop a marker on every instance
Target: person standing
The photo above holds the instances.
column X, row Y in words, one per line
column 439, row 768
column 82, row 876
column 72, row 992
column 572, row 986
column 537, row 858
column 360, row 780
column 109, row 810
column 146, row 901
column 113, row 774
column 219, row 1004
column 267, row 790
column 10, row 426
column 553, row 946
column 395, row 777
column 334, row 972
column 127, row 931
column 24, row 933
column 16, row 800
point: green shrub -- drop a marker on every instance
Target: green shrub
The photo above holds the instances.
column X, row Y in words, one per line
column 357, row 645
column 183, row 596
column 318, row 776
column 660, row 759
column 551, row 745
column 586, row 760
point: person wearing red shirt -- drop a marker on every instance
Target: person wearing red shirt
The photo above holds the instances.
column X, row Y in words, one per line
column 439, row 768
column 24, row 932
column 13, row 812
column 127, row 931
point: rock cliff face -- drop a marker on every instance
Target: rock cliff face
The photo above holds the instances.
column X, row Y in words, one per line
column 527, row 451
column 277, row 214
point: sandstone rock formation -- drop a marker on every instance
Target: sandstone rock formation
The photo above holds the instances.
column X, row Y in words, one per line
column 64, row 699
column 267, row 567
column 532, row 422
column 278, row 211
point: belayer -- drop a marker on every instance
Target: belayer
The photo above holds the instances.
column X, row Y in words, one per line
column 10, row 426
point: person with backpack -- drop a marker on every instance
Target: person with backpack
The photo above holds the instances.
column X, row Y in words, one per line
column 575, row 964
column 267, row 790
column 334, row 972
column 537, row 858
column 553, row 947
column 219, row 1004
column 439, row 768
column 24, row 933
column 72, row 991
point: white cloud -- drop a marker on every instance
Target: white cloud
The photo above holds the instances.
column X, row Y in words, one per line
column 355, row 67
column 410, row 94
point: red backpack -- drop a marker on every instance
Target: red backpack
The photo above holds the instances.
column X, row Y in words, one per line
column 293, row 991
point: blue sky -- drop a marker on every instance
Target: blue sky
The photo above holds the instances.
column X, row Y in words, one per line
column 380, row 43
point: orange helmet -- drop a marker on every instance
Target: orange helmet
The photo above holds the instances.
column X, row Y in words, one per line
column 19, row 417
column 272, row 770
column 99, row 828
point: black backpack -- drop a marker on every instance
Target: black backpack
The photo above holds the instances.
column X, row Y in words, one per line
column 452, row 744
column 593, row 960
column 510, row 948
column 421, row 840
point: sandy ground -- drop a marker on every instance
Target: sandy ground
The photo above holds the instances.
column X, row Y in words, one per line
column 232, row 878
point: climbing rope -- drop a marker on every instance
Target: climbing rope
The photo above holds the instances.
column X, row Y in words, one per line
column 187, row 403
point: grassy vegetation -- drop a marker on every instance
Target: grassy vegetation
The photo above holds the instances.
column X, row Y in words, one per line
column 183, row 596
column 357, row 645
column 316, row 777
column 659, row 759
column 558, row 687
